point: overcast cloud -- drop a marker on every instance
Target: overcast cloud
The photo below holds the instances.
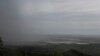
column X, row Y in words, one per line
column 63, row 16
column 22, row 19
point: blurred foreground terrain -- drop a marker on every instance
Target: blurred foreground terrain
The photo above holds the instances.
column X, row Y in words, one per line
column 55, row 47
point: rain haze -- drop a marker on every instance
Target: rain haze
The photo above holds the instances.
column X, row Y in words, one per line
column 26, row 20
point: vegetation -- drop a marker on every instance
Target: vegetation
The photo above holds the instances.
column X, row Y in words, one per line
column 51, row 50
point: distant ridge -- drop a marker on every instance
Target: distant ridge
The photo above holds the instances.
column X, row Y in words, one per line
column 73, row 52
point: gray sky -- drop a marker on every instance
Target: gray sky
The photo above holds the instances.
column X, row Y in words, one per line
column 61, row 16
column 21, row 19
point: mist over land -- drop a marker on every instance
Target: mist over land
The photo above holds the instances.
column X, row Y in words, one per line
column 58, row 39
column 24, row 21
column 49, row 28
